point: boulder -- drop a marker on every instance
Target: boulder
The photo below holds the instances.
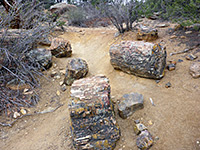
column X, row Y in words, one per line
column 147, row 33
column 195, row 69
column 129, row 104
column 139, row 58
column 60, row 48
column 76, row 68
column 40, row 56
column 93, row 122
column 144, row 140
column 61, row 8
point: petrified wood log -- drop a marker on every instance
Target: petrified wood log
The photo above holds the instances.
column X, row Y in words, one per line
column 92, row 117
column 139, row 58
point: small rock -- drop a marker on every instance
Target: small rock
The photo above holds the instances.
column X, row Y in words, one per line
column 63, row 88
column 16, row 115
column 195, row 69
column 129, row 104
column 173, row 37
column 53, row 73
column 57, row 77
column 191, row 57
column 26, row 90
column 61, row 83
column 162, row 25
column 58, row 93
column 180, row 60
column 153, row 17
column 62, row 72
column 54, row 65
column 23, row 111
column 146, row 33
column 157, row 138
column 138, row 128
column 144, row 140
column 150, row 122
column 188, row 32
column 182, row 37
column 171, row 66
column 167, row 85
column 117, row 34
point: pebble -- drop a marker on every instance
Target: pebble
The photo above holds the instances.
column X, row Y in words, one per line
column 61, row 83
column 173, row 37
column 16, row 115
column 57, row 77
column 171, row 66
column 180, row 60
column 62, row 72
column 188, row 32
column 53, row 73
column 64, row 88
column 23, row 111
column 191, row 57
column 167, row 85
column 182, row 37
column 58, row 93
column 150, row 122
column 54, row 65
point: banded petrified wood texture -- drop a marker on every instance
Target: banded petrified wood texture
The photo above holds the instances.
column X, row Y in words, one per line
column 139, row 58
column 92, row 118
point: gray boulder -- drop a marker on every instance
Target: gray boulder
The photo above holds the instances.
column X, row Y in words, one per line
column 76, row 68
column 139, row 58
column 146, row 33
column 40, row 56
column 93, row 122
column 129, row 104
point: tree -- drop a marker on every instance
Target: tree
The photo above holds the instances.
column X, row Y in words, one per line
column 122, row 12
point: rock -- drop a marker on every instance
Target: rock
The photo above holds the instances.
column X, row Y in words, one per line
column 53, row 74
column 23, row 111
column 150, row 122
column 182, row 37
column 180, row 60
column 173, row 37
column 195, row 69
column 138, row 128
column 147, row 33
column 191, row 57
column 153, row 17
column 93, row 122
column 61, row 8
column 60, row 48
column 45, row 41
column 144, row 140
column 167, row 85
column 139, row 58
column 58, row 93
column 129, row 104
column 76, row 68
column 157, row 13
column 16, row 115
column 163, row 25
column 40, row 56
column 171, row 66
column 188, row 32
column 63, row 88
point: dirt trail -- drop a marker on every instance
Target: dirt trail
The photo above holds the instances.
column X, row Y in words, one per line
column 175, row 117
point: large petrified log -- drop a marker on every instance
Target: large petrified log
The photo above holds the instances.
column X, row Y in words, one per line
column 92, row 117
column 139, row 58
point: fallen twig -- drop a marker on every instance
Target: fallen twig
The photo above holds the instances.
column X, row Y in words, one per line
column 184, row 51
column 36, row 113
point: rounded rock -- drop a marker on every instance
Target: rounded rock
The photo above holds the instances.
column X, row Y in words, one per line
column 76, row 68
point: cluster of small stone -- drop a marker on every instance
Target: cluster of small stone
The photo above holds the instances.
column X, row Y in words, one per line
column 144, row 139
column 139, row 58
column 92, row 116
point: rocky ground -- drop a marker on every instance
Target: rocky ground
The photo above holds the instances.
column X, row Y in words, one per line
column 173, row 121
